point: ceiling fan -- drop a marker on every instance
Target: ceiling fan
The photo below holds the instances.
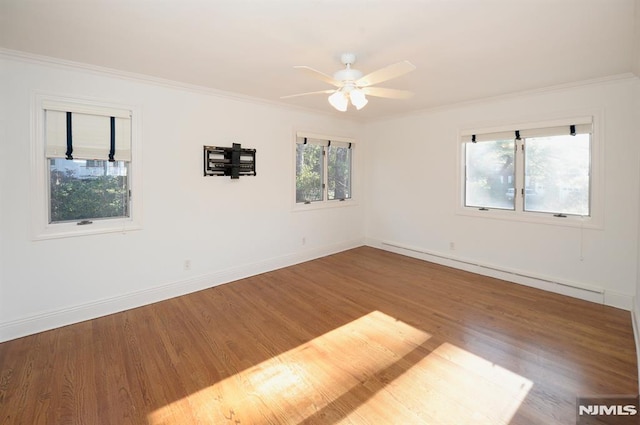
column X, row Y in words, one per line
column 353, row 86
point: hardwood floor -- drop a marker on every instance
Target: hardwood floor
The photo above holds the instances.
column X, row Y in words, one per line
column 360, row 337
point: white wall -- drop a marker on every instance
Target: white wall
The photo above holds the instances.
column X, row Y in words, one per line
column 228, row 229
column 637, row 294
column 411, row 194
column 636, row 58
column 636, row 307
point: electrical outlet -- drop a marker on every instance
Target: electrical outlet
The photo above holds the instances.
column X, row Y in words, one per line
column 187, row 265
column 304, row 240
column 452, row 246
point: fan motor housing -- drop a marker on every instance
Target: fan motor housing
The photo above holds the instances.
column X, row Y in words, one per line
column 347, row 75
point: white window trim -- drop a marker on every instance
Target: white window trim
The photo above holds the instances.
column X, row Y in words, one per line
column 597, row 184
column 325, row 203
column 41, row 229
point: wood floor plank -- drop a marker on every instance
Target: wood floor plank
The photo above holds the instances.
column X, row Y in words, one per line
column 360, row 337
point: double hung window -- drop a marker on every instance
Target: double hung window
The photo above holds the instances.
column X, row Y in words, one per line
column 83, row 167
column 323, row 169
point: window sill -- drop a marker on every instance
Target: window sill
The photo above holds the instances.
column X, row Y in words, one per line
column 531, row 217
column 67, row 230
column 320, row 205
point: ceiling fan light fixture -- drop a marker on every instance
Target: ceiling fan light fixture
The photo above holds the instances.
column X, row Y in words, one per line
column 350, row 86
column 358, row 99
column 339, row 101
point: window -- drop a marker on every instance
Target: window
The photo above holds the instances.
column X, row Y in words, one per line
column 339, row 172
column 490, row 174
column 557, row 174
column 543, row 171
column 323, row 169
column 309, row 173
column 81, row 189
column 83, row 168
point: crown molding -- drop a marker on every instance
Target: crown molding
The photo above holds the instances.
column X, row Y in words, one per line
column 625, row 77
column 37, row 59
column 194, row 88
column 125, row 75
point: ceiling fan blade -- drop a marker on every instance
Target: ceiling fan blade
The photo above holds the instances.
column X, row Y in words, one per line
column 388, row 93
column 318, row 75
column 386, row 73
column 304, row 94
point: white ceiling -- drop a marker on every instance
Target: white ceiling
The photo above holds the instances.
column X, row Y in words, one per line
column 463, row 49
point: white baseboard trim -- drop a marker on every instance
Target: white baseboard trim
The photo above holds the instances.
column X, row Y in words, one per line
column 522, row 277
column 61, row 317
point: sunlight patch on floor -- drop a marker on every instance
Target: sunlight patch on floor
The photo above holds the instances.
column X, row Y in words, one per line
column 452, row 386
column 374, row 369
column 296, row 384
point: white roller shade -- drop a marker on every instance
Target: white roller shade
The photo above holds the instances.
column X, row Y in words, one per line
column 583, row 125
column 485, row 137
column 91, row 132
column 315, row 139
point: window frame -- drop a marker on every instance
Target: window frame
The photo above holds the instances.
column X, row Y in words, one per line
column 41, row 228
column 594, row 221
column 325, row 202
